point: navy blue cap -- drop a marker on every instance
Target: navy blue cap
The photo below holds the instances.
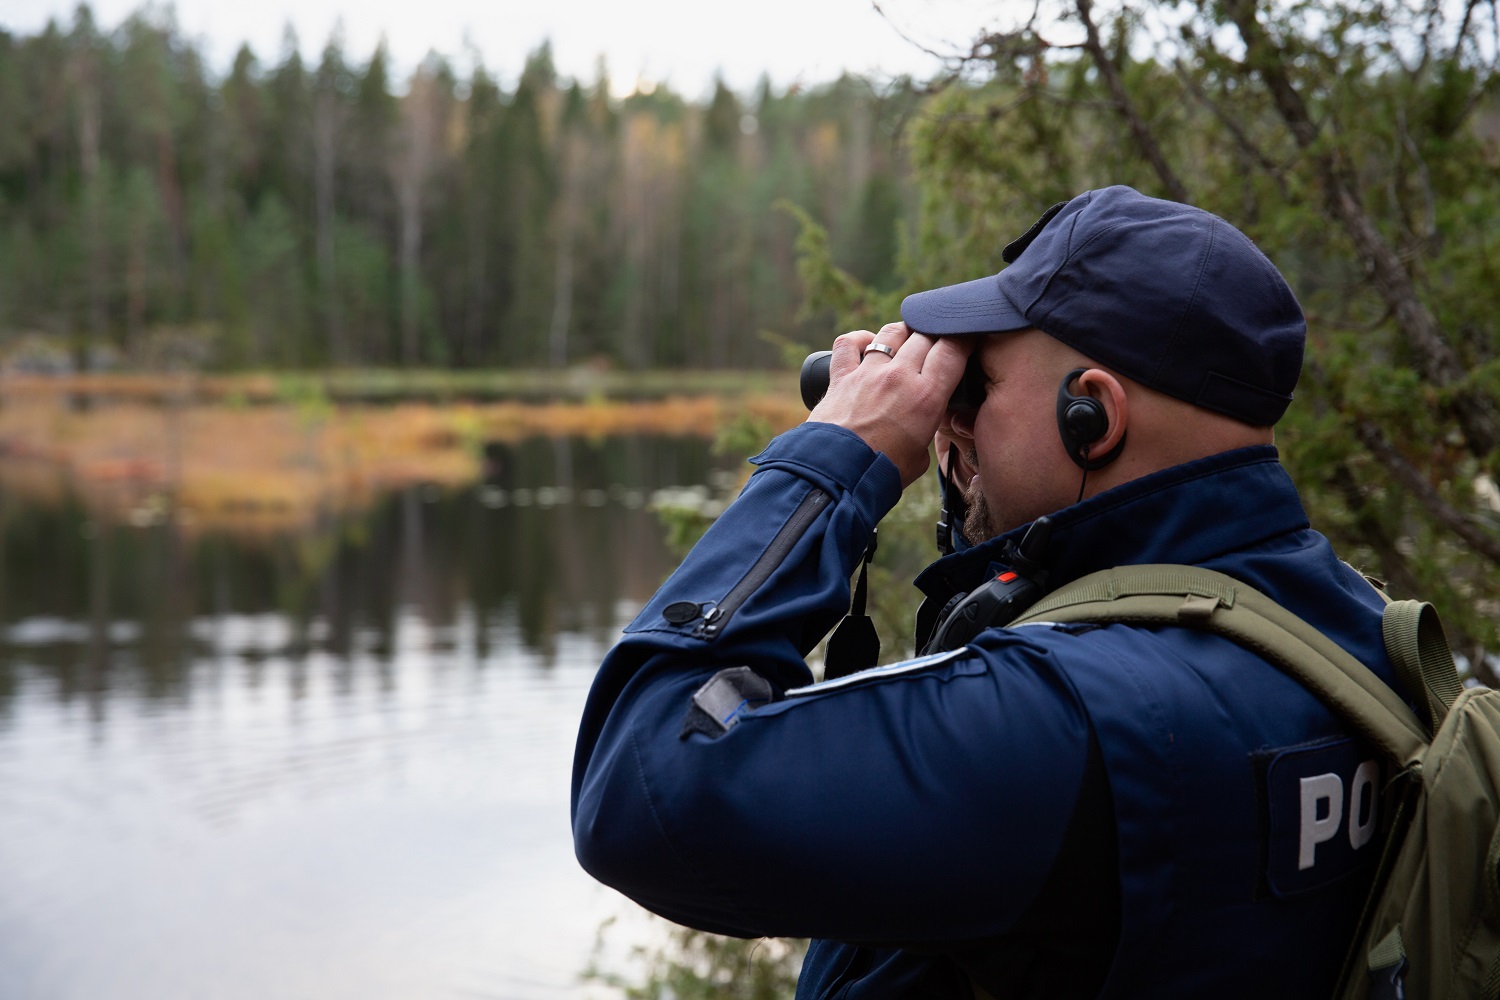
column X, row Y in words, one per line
column 1165, row 294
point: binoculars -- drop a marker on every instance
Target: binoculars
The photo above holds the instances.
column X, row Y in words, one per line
column 813, row 381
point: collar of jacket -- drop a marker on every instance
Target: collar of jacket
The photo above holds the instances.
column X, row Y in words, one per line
column 1190, row 513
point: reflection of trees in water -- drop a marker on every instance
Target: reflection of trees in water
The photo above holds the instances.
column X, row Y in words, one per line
column 554, row 545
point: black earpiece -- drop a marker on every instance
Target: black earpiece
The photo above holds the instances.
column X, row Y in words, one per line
column 1081, row 420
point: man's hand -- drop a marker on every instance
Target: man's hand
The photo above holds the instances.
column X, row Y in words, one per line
column 895, row 403
column 962, row 470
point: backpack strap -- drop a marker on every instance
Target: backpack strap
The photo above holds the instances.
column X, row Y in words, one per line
column 1419, row 651
column 1199, row 598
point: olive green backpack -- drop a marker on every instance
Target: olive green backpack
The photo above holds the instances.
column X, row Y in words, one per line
column 1431, row 927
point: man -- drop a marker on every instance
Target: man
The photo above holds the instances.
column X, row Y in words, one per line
column 1045, row 811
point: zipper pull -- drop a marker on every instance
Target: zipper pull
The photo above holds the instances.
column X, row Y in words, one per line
column 707, row 628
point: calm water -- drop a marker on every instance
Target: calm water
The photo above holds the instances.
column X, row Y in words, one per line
column 328, row 766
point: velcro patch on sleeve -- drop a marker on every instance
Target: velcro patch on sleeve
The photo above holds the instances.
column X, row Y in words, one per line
column 1323, row 803
column 718, row 705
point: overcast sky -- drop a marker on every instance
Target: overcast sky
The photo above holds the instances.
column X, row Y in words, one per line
column 679, row 42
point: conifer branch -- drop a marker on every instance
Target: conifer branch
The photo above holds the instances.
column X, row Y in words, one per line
column 1439, row 363
column 1150, row 148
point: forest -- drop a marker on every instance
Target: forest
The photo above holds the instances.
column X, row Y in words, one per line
column 285, row 214
column 289, row 214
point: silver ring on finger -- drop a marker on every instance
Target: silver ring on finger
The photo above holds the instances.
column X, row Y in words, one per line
column 885, row 349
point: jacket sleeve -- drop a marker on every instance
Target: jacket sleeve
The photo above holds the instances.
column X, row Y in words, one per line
column 916, row 802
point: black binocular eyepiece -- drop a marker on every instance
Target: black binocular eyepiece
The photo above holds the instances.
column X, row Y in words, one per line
column 814, row 378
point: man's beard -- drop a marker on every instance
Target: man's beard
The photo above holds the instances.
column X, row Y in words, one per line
column 978, row 521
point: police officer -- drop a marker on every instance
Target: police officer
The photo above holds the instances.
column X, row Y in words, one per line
column 1041, row 811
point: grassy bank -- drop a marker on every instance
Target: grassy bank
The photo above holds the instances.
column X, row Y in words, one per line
column 236, row 454
column 377, row 385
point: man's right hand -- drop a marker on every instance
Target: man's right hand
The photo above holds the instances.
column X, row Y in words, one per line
column 895, row 403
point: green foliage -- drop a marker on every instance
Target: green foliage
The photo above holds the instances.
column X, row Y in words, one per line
column 692, row 965
column 742, row 437
column 307, row 395
column 685, row 522
column 792, row 352
column 906, row 544
column 682, row 525
column 829, row 288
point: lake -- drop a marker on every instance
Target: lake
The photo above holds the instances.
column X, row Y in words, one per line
column 324, row 763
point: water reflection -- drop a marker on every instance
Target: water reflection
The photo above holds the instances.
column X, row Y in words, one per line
column 328, row 765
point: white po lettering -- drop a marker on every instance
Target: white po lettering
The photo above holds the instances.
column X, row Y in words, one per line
column 1322, row 788
column 1323, row 811
column 1362, row 804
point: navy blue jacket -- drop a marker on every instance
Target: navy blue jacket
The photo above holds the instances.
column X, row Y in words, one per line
column 1156, row 807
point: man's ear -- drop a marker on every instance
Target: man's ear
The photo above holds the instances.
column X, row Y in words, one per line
column 1104, row 387
column 960, row 423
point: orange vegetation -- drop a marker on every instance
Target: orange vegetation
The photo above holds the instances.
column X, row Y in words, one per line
column 277, row 467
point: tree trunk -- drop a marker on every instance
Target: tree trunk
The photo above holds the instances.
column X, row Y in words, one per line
column 325, row 163
column 409, row 197
column 95, row 249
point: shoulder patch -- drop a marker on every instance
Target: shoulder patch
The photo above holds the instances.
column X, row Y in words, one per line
column 877, row 673
column 1323, row 812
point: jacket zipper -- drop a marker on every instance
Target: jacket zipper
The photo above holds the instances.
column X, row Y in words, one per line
column 715, row 618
